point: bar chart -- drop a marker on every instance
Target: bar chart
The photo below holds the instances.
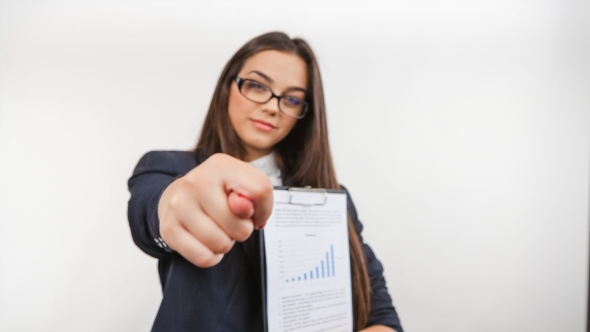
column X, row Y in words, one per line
column 306, row 262
column 326, row 268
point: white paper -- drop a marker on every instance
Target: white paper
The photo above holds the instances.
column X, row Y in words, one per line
column 308, row 264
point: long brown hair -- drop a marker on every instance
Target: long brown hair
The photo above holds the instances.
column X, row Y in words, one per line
column 303, row 155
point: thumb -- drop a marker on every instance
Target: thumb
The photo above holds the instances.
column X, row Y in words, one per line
column 240, row 205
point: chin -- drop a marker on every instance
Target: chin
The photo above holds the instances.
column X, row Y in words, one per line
column 259, row 144
column 262, row 147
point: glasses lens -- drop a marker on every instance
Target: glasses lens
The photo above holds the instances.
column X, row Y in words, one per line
column 293, row 106
column 255, row 91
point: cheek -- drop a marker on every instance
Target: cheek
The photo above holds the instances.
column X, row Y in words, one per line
column 237, row 107
column 287, row 126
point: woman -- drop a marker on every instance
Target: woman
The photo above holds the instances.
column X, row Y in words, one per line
column 266, row 126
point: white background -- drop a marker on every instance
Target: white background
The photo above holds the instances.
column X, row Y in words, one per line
column 461, row 128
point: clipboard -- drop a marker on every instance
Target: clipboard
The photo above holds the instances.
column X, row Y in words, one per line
column 305, row 262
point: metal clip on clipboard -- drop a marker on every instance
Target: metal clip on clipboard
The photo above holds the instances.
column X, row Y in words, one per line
column 311, row 196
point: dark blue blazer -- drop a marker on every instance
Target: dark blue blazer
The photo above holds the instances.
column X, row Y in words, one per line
column 226, row 297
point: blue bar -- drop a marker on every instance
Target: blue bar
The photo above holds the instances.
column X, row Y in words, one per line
column 328, row 264
column 311, row 274
column 317, row 272
column 333, row 270
column 305, row 276
column 322, row 269
column 298, row 278
column 292, row 279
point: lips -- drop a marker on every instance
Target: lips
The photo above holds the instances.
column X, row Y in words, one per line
column 262, row 125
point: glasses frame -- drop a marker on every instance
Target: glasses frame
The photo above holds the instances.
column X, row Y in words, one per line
column 240, row 82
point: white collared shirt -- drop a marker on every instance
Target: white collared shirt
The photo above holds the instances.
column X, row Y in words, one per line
column 268, row 166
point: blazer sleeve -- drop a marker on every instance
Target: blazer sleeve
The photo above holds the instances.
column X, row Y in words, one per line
column 152, row 175
column 382, row 311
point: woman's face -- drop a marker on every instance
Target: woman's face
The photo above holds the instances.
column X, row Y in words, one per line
column 261, row 126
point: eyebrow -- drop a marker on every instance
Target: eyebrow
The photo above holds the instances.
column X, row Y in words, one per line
column 263, row 75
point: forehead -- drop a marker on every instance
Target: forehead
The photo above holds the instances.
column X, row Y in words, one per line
column 285, row 69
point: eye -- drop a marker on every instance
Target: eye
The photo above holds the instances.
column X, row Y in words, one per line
column 292, row 101
column 253, row 85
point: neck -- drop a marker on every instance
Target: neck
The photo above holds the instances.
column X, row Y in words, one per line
column 252, row 154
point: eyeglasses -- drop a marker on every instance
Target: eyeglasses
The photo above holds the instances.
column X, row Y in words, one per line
column 291, row 106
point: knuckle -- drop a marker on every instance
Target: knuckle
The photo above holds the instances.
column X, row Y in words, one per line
column 206, row 260
column 172, row 203
column 176, row 200
column 200, row 258
column 243, row 231
column 224, row 246
column 264, row 188
column 182, row 198
column 187, row 183
column 267, row 188
column 217, row 158
column 223, row 160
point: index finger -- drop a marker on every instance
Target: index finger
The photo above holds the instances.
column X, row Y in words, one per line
column 255, row 186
